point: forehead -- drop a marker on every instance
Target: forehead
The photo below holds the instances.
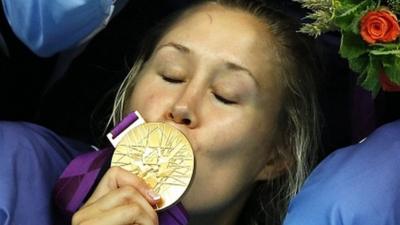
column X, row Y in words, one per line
column 221, row 33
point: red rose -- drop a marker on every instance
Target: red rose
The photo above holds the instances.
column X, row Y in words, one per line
column 388, row 85
column 379, row 26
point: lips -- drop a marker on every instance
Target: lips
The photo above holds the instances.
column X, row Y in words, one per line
column 185, row 131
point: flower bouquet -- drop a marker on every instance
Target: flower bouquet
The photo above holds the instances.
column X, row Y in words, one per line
column 370, row 34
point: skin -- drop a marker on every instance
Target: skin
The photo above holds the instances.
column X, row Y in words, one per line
column 212, row 76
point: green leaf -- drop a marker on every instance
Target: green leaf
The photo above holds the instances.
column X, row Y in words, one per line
column 343, row 21
column 349, row 14
column 362, row 77
column 383, row 51
column 394, row 4
column 359, row 64
column 391, row 45
column 371, row 82
column 352, row 46
column 349, row 7
column 391, row 66
column 354, row 26
column 391, row 49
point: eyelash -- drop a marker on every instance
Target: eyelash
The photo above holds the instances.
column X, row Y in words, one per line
column 218, row 97
column 224, row 100
column 171, row 80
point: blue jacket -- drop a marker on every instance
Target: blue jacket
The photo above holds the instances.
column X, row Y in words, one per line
column 31, row 158
column 356, row 185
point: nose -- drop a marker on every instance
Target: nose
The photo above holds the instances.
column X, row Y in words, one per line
column 183, row 111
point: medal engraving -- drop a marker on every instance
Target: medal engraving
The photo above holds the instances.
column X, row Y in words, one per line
column 159, row 154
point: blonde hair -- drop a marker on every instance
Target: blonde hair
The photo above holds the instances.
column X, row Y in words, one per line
column 299, row 118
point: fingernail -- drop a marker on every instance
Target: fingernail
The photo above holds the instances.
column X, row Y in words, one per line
column 153, row 195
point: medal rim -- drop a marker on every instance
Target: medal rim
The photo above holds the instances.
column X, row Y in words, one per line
column 148, row 124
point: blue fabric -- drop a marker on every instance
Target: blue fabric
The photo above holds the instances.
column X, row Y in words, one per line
column 31, row 159
column 49, row 26
column 356, row 185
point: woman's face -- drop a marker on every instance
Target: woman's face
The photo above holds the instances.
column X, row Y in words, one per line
column 214, row 77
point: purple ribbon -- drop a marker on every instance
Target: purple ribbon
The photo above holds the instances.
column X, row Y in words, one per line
column 175, row 215
column 78, row 179
column 121, row 126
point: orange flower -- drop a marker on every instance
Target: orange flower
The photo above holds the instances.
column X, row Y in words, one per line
column 379, row 26
column 388, row 85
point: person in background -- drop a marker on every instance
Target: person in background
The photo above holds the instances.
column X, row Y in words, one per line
column 355, row 185
column 49, row 27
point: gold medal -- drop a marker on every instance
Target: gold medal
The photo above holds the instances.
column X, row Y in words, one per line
column 161, row 155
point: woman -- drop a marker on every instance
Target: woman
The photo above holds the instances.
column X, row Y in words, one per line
column 237, row 79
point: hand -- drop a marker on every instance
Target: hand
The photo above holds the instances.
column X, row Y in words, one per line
column 120, row 198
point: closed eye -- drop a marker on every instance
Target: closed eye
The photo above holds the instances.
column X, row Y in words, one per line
column 224, row 100
column 171, row 80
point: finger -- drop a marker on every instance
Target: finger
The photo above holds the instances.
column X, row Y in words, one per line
column 117, row 177
column 123, row 215
column 116, row 198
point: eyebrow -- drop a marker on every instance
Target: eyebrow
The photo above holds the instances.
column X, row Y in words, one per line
column 229, row 65
column 236, row 67
column 177, row 46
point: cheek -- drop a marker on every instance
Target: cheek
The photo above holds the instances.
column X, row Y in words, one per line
column 234, row 149
column 227, row 169
column 235, row 131
column 149, row 100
